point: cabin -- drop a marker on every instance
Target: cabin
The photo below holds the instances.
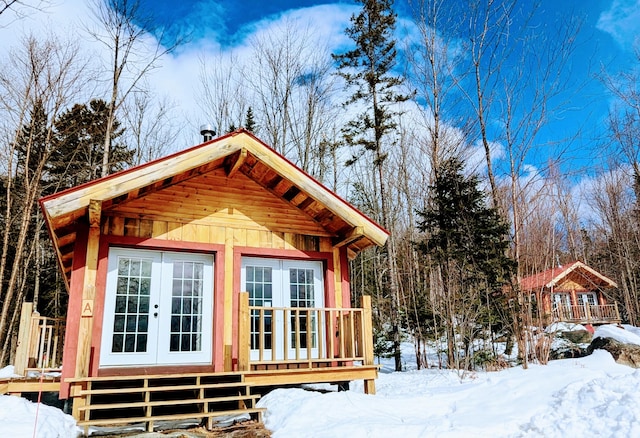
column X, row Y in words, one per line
column 199, row 277
column 572, row 293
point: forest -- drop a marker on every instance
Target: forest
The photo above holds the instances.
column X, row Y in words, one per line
column 435, row 125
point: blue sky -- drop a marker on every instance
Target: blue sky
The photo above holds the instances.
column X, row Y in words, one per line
column 606, row 41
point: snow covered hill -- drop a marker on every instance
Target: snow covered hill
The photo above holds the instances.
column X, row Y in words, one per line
column 591, row 396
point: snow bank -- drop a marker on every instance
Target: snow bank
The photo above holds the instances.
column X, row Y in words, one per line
column 8, row 371
column 622, row 335
column 18, row 418
column 564, row 327
column 590, row 396
column 587, row 396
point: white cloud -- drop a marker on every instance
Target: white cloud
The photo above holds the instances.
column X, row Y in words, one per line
column 622, row 22
column 592, row 193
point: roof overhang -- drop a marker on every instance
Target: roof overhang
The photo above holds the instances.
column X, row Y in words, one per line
column 589, row 274
column 236, row 152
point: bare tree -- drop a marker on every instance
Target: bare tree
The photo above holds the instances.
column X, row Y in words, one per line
column 222, row 94
column 624, row 118
column 40, row 79
column 613, row 200
column 135, row 44
column 151, row 129
column 20, row 9
column 278, row 55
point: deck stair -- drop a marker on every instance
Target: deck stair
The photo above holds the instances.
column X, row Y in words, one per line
column 112, row 401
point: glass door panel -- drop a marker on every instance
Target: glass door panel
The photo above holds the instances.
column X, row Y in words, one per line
column 185, row 309
column 131, row 288
column 286, row 288
column 260, row 277
column 158, row 308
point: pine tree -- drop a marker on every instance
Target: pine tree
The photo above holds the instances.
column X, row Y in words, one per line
column 467, row 244
column 368, row 68
column 250, row 123
column 79, row 146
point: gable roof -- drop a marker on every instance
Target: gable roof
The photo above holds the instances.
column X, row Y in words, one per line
column 239, row 151
column 552, row 277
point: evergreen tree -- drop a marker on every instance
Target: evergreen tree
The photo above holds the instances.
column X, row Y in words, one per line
column 31, row 144
column 79, row 146
column 467, row 244
column 250, row 123
column 367, row 68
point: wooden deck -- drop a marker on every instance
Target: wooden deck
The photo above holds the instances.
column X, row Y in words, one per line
column 276, row 347
column 587, row 314
column 109, row 401
column 18, row 386
column 119, row 400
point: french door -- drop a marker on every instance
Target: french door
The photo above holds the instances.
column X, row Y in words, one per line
column 587, row 299
column 562, row 305
column 587, row 305
column 281, row 286
column 158, row 308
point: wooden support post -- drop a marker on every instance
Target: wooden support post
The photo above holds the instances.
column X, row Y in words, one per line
column 24, row 335
column 367, row 330
column 367, row 334
column 228, row 299
column 244, row 329
column 83, row 355
column 617, row 312
column 237, row 160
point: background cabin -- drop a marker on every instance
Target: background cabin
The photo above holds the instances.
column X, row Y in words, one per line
column 215, row 270
column 571, row 293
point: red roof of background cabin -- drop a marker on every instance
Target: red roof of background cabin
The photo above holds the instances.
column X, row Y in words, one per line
column 539, row 280
column 542, row 279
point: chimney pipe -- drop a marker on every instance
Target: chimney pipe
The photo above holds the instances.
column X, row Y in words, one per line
column 207, row 132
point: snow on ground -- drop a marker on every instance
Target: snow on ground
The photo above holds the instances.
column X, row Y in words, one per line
column 590, row 396
column 7, row 372
column 18, row 419
column 627, row 335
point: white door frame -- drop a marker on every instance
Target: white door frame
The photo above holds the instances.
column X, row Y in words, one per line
column 281, row 298
column 158, row 312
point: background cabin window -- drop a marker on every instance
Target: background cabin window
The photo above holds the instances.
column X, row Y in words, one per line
column 158, row 308
column 588, row 298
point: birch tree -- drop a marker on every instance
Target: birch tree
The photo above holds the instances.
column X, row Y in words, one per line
column 37, row 82
column 135, row 45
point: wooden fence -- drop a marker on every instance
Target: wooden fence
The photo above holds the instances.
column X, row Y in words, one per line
column 587, row 313
column 309, row 337
column 39, row 342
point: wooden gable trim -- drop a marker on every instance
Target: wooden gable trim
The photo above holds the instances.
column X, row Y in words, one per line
column 350, row 237
column 235, row 161
column 581, row 266
column 73, row 202
column 316, row 191
column 237, row 151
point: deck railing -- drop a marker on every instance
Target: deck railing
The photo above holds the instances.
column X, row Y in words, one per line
column 39, row 342
column 586, row 313
column 308, row 337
